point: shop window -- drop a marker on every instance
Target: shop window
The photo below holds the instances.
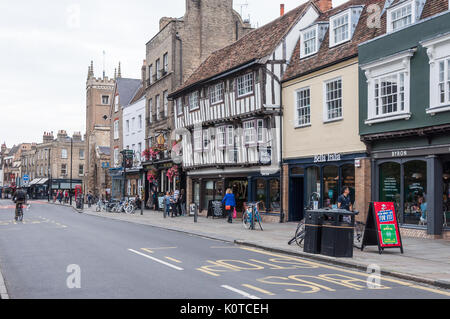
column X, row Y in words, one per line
column 330, row 186
column 275, row 195
column 390, row 184
column 196, row 193
column 213, row 192
column 348, row 180
column 415, row 193
column 446, row 196
column 312, row 182
column 261, row 192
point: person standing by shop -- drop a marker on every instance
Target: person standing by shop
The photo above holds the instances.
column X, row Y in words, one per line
column 344, row 201
column 168, row 203
column 230, row 203
column 182, row 202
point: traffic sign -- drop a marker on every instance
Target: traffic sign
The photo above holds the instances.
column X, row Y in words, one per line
column 26, row 178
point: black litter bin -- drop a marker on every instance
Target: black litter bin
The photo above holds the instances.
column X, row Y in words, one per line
column 313, row 234
column 338, row 228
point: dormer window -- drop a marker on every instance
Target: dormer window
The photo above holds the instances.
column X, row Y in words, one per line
column 401, row 17
column 404, row 14
column 343, row 25
column 311, row 39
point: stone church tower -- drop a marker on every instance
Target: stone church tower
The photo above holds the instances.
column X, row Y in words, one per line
column 99, row 93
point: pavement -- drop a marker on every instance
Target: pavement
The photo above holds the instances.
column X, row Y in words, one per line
column 58, row 253
column 424, row 261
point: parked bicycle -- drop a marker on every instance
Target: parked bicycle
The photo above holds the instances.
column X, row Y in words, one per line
column 101, row 206
column 252, row 215
column 299, row 236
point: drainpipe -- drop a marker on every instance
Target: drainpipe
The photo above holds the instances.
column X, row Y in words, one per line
column 281, row 158
column 181, row 57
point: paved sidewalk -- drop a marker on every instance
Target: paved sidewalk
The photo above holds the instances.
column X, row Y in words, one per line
column 426, row 261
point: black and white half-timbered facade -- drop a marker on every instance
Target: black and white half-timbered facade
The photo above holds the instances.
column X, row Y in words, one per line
column 228, row 115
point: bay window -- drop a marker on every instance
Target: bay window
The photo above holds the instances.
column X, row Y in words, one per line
column 438, row 53
column 388, row 88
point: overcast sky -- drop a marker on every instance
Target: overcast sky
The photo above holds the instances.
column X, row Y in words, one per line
column 47, row 45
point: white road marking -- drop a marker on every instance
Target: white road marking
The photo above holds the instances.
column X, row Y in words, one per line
column 243, row 293
column 156, row 259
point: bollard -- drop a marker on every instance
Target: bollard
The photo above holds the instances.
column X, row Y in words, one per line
column 195, row 213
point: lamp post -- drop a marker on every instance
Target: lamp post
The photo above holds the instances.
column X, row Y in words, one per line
column 71, row 162
column 49, row 173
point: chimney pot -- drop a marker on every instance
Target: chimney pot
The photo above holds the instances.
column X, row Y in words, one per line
column 281, row 10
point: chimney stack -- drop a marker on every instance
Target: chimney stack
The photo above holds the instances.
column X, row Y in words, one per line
column 281, row 9
column 324, row 5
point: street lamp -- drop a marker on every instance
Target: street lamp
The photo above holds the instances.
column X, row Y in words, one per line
column 71, row 162
column 49, row 173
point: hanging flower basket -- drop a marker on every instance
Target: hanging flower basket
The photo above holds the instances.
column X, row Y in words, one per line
column 151, row 176
column 172, row 173
column 150, row 153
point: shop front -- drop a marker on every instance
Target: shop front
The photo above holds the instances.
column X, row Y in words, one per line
column 417, row 180
column 133, row 183
column 249, row 186
column 162, row 177
column 320, row 178
column 116, row 183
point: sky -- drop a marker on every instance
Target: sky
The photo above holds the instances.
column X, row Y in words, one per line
column 46, row 47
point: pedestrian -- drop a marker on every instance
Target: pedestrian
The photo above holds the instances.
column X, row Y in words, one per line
column 167, row 203
column 182, row 202
column 176, row 197
column 344, row 201
column 59, row 196
column 155, row 200
column 230, row 203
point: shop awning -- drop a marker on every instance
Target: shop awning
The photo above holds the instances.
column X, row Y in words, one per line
column 42, row 181
column 34, row 181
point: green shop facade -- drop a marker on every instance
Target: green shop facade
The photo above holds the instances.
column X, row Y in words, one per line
column 405, row 122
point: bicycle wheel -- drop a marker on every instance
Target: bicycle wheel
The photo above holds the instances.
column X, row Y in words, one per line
column 300, row 233
column 358, row 234
column 246, row 220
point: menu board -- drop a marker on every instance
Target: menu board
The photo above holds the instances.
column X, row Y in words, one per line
column 382, row 227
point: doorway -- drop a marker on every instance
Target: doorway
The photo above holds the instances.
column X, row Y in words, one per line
column 296, row 194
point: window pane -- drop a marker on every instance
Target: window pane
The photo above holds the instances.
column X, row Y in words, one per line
column 415, row 192
column 303, row 107
column 274, row 195
column 390, row 184
column 330, row 186
column 261, row 192
column 209, row 193
column 312, row 183
column 334, row 99
column 348, row 180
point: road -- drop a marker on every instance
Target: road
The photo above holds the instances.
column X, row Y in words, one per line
column 58, row 253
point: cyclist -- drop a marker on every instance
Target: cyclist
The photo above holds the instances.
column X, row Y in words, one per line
column 230, row 203
column 20, row 198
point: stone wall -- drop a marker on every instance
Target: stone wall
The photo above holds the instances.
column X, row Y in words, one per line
column 363, row 188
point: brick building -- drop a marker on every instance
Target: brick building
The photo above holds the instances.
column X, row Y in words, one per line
column 50, row 162
column 181, row 45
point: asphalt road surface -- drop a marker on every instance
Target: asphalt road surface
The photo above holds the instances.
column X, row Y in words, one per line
column 58, row 253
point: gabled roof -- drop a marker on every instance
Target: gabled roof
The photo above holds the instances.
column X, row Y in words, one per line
column 140, row 93
column 257, row 44
column 104, row 150
column 327, row 56
column 13, row 150
column 126, row 88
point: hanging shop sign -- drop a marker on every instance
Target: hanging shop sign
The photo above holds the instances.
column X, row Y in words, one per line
column 382, row 227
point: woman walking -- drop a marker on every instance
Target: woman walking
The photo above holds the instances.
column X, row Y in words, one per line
column 230, row 203
column 182, row 202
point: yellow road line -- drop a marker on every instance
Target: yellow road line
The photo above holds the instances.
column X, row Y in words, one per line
column 208, row 272
column 174, row 260
column 147, row 250
column 259, row 290
column 403, row 283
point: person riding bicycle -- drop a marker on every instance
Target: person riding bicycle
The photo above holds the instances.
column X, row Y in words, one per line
column 20, row 198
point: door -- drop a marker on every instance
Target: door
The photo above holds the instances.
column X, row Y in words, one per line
column 296, row 203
